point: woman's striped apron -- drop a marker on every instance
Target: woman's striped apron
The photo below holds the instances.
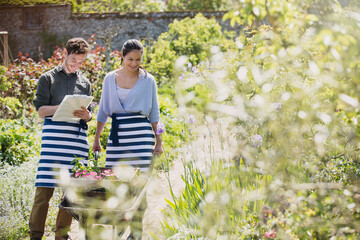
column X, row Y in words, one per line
column 131, row 141
column 61, row 143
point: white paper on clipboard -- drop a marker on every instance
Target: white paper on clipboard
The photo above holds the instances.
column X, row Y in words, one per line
column 69, row 104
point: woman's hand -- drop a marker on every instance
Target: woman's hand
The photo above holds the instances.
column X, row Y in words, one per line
column 96, row 146
column 158, row 150
column 83, row 114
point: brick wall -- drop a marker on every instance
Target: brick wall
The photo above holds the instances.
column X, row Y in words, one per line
column 36, row 30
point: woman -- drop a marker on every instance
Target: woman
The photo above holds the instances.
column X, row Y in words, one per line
column 129, row 97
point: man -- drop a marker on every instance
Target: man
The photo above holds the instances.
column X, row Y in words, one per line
column 61, row 141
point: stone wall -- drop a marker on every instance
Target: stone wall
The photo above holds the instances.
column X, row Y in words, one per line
column 36, row 30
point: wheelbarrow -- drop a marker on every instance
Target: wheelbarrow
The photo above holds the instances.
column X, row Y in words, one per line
column 105, row 202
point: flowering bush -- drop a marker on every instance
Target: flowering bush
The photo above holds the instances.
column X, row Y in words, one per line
column 91, row 171
column 95, row 174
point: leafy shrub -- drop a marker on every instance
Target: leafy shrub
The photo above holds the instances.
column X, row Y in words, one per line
column 18, row 141
column 192, row 37
column 9, row 106
column 198, row 5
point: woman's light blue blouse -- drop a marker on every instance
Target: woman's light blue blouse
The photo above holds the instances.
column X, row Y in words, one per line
column 142, row 98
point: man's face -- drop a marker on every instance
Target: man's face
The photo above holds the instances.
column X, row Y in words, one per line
column 73, row 62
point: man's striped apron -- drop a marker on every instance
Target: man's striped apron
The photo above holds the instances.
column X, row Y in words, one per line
column 61, row 143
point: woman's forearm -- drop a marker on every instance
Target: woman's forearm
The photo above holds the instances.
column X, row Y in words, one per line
column 99, row 128
column 157, row 136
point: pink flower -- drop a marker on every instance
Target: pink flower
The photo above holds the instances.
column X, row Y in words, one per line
column 270, row 234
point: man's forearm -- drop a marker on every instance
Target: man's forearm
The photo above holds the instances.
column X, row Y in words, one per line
column 47, row 110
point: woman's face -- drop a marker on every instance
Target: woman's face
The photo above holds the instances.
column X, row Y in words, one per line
column 132, row 60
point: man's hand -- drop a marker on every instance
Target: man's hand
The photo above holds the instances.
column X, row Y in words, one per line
column 83, row 114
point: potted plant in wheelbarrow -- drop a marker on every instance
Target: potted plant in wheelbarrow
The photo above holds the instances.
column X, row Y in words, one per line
column 103, row 195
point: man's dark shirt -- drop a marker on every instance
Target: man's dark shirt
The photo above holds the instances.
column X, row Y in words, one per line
column 56, row 83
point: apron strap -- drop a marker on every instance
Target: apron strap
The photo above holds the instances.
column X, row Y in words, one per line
column 82, row 125
column 114, row 130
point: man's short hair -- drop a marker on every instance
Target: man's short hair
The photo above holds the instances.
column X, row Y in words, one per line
column 77, row 46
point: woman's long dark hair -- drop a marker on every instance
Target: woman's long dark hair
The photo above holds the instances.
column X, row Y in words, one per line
column 131, row 45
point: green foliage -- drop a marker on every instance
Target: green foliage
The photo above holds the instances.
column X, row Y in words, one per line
column 4, row 84
column 117, row 6
column 17, row 141
column 31, row 2
column 9, row 106
column 338, row 169
column 187, row 205
column 176, row 131
column 149, row 5
column 191, row 37
column 288, row 102
column 17, row 192
column 16, row 199
column 213, row 197
column 198, row 5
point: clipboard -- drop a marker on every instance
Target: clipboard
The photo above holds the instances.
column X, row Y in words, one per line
column 69, row 104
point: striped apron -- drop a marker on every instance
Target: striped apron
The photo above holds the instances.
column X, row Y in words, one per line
column 131, row 141
column 61, row 142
